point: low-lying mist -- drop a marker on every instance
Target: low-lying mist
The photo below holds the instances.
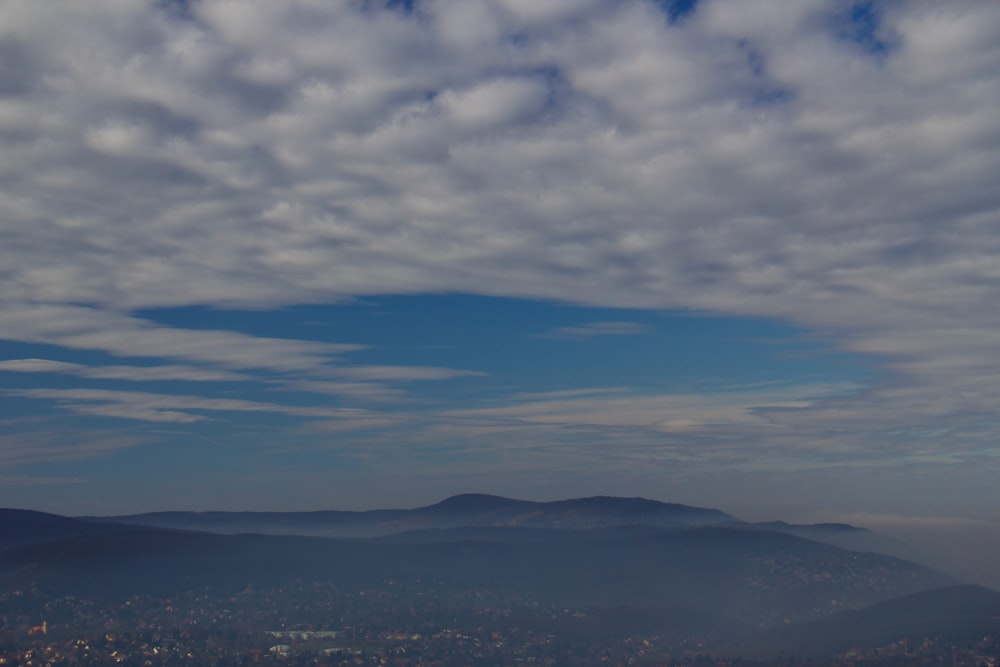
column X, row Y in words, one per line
column 964, row 548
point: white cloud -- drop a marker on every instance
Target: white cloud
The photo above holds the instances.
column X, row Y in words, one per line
column 534, row 12
column 201, row 374
column 748, row 160
column 368, row 391
column 404, row 373
column 714, row 414
column 132, row 373
column 592, row 329
column 495, row 102
column 148, row 406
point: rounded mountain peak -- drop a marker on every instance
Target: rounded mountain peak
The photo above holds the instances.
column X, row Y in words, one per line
column 476, row 502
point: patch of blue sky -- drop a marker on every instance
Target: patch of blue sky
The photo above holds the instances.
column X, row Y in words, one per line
column 677, row 10
column 533, row 346
column 406, row 6
column 859, row 22
column 180, row 9
column 767, row 91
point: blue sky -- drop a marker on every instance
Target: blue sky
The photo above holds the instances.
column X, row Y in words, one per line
column 312, row 255
column 430, row 373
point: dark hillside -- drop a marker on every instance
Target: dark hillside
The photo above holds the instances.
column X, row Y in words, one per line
column 22, row 527
column 750, row 577
column 953, row 613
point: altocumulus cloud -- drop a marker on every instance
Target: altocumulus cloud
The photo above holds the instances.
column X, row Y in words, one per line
column 748, row 157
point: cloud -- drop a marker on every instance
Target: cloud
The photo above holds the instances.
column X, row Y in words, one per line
column 368, row 391
column 153, row 407
column 644, row 419
column 122, row 335
column 131, row 373
column 593, row 329
column 363, row 374
column 405, row 373
column 503, row 101
column 747, row 160
column 10, row 480
column 49, row 443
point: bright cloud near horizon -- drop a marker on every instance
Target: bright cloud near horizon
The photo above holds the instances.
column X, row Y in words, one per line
column 311, row 254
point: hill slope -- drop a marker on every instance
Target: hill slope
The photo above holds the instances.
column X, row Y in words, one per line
column 22, row 527
column 953, row 613
column 745, row 577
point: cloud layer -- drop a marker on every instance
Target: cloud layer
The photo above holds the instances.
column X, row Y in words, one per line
column 747, row 158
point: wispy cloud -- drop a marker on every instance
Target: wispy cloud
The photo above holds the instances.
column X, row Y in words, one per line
column 370, row 391
column 121, row 335
column 404, row 373
column 148, row 406
column 11, row 480
column 363, row 377
column 48, row 445
column 594, row 329
column 132, row 373
column 712, row 414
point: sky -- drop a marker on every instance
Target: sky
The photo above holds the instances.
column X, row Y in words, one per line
column 340, row 255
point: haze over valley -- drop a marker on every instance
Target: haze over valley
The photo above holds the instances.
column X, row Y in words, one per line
column 584, row 577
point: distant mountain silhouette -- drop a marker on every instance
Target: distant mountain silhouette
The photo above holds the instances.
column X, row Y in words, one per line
column 22, row 527
column 483, row 510
column 462, row 510
column 840, row 535
column 476, row 502
column 740, row 578
column 700, row 570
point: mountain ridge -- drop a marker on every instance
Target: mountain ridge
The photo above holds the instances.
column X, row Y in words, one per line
column 483, row 510
column 757, row 573
column 742, row 580
column 468, row 509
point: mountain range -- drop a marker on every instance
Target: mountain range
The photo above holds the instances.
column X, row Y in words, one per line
column 457, row 511
column 694, row 570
